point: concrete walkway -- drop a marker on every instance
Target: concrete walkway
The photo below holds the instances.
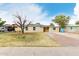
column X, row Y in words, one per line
column 39, row 51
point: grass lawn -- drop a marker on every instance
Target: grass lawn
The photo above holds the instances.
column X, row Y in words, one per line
column 13, row 39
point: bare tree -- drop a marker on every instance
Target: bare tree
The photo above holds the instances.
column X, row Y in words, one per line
column 21, row 22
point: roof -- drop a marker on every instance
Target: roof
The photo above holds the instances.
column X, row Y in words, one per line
column 34, row 25
column 73, row 25
column 37, row 25
column 55, row 24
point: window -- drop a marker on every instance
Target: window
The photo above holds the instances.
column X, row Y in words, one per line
column 54, row 28
column 71, row 28
column 34, row 28
column 26, row 28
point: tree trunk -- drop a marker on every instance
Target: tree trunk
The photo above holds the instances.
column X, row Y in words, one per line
column 59, row 29
column 22, row 30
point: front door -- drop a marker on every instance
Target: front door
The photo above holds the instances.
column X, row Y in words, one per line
column 46, row 29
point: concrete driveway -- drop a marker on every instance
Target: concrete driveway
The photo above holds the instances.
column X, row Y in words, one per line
column 65, row 39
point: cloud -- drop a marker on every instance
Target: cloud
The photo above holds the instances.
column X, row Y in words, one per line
column 75, row 17
column 76, row 10
column 33, row 12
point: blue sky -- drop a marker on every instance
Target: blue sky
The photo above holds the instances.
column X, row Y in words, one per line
column 58, row 8
column 39, row 12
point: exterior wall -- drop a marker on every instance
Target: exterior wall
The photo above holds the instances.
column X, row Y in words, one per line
column 38, row 29
column 30, row 29
column 17, row 29
column 57, row 29
column 50, row 29
column 74, row 29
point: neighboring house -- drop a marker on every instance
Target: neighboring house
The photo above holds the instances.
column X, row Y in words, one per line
column 72, row 28
column 6, row 28
column 38, row 28
column 3, row 29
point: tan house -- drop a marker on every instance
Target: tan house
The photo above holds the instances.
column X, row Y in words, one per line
column 38, row 28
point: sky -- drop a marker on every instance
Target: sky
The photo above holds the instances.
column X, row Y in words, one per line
column 39, row 12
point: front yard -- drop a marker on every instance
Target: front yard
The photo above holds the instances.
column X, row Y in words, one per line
column 12, row 39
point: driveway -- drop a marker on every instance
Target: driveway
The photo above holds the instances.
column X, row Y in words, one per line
column 65, row 39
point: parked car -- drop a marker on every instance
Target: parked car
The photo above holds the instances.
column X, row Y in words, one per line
column 3, row 29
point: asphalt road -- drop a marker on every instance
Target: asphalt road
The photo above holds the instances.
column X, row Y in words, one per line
column 39, row 51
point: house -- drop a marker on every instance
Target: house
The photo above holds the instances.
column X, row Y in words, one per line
column 38, row 28
column 6, row 28
column 3, row 29
column 72, row 28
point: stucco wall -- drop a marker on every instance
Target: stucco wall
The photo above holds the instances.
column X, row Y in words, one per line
column 30, row 29
column 50, row 29
column 17, row 29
